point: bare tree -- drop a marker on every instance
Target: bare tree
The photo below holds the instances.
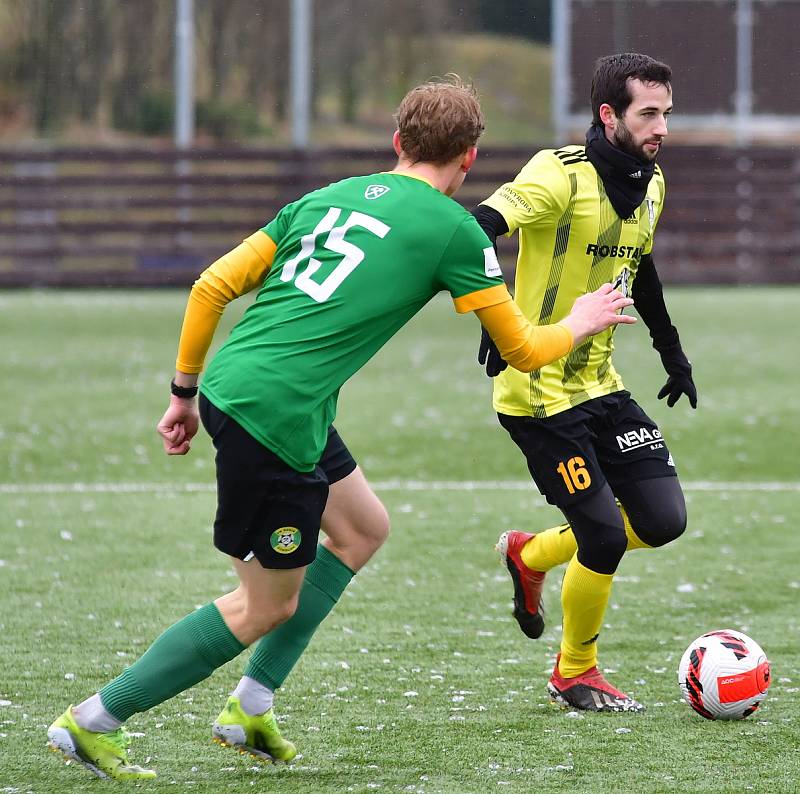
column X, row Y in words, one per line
column 142, row 29
column 43, row 58
column 92, row 46
column 80, row 59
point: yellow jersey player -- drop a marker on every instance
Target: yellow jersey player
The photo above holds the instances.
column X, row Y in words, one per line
column 587, row 215
column 338, row 273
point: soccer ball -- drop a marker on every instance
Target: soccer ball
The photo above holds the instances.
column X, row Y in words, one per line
column 724, row 675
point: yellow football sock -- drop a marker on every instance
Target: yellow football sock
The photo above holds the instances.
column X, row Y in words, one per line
column 557, row 545
column 584, row 597
column 549, row 548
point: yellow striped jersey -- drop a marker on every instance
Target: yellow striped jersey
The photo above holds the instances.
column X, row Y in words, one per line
column 571, row 241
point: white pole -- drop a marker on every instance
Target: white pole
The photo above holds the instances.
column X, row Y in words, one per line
column 744, row 71
column 560, row 77
column 184, row 74
column 301, row 72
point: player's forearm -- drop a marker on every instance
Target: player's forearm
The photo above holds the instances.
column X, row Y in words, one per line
column 199, row 323
column 186, row 380
column 648, row 299
column 524, row 346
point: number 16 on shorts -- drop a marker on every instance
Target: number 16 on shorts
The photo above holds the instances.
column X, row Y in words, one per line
column 575, row 474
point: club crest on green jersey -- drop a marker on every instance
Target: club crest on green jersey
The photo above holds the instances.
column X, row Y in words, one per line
column 285, row 540
column 375, row 191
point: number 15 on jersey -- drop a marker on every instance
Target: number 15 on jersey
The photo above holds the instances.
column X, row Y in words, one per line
column 352, row 255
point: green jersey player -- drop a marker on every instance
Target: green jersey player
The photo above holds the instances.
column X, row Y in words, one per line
column 338, row 272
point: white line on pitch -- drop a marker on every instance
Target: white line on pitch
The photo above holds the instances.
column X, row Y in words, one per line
column 384, row 485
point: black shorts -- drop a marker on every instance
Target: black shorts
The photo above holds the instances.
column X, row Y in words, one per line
column 265, row 508
column 576, row 452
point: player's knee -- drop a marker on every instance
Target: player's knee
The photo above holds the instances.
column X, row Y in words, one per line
column 368, row 535
column 356, row 536
column 668, row 525
column 380, row 526
column 610, row 551
column 599, row 531
column 602, row 549
column 262, row 618
column 617, row 545
column 657, row 510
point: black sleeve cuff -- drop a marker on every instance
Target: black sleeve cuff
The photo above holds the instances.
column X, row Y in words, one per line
column 491, row 221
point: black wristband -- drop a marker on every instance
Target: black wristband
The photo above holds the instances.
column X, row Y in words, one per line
column 185, row 392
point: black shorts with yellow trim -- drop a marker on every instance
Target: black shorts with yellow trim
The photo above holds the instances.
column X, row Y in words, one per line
column 265, row 508
column 574, row 453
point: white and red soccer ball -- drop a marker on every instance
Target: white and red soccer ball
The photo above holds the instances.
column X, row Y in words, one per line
column 724, row 675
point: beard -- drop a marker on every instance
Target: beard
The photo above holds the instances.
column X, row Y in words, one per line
column 624, row 140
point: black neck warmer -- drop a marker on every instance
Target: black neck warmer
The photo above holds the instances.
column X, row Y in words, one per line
column 624, row 176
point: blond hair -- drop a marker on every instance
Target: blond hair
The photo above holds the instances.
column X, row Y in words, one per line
column 439, row 120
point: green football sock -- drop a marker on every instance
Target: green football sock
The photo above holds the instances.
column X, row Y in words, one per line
column 277, row 653
column 186, row 653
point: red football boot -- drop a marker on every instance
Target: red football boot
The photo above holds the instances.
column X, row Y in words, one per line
column 589, row 691
column 528, row 609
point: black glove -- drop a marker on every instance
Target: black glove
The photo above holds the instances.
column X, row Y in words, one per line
column 680, row 376
column 489, row 355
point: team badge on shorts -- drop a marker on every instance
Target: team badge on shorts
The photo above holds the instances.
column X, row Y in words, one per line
column 285, row 540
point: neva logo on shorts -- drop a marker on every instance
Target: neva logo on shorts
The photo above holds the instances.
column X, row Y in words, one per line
column 635, row 439
column 375, row 191
column 285, row 540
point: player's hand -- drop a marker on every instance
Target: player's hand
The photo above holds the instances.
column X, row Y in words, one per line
column 489, row 356
column 680, row 380
column 178, row 426
column 596, row 311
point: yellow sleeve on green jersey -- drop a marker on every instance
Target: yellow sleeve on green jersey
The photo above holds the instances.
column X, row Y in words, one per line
column 539, row 193
column 524, row 346
column 480, row 299
column 232, row 275
column 655, row 193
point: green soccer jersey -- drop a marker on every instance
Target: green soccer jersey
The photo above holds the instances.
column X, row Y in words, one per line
column 571, row 241
column 354, row 262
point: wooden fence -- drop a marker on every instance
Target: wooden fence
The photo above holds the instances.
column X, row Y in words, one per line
column 90, row 217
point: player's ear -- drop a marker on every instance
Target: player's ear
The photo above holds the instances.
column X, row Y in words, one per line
column 608, row 116
column 398, row 149
column 469, row 158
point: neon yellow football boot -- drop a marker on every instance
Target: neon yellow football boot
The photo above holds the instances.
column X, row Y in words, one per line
column 258, row 735
column 103, row 754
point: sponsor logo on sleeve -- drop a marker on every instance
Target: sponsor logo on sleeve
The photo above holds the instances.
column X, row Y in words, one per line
column 490, row 264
